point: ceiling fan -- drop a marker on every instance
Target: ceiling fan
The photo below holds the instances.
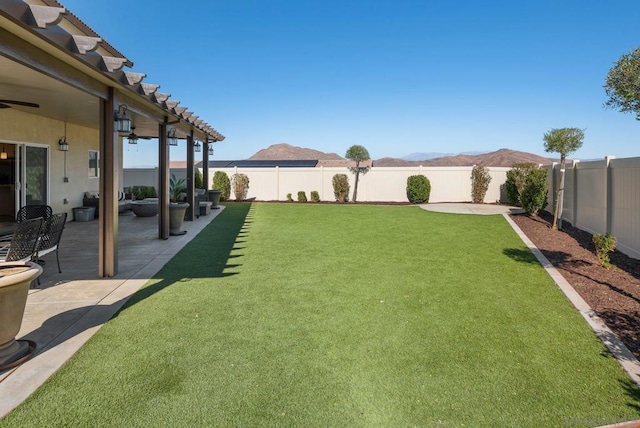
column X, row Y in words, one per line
column 5, row 104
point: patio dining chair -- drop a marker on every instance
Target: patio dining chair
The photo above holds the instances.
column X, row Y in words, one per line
column 50, row 237
column 28, row 212
column 24, row 242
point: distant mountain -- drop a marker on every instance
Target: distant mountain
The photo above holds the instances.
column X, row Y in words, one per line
column 500, row 158
column 288, row 152
column 433, row 155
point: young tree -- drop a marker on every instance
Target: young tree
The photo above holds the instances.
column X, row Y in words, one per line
column 622, row 85
column 563, row 141
column 358, row 154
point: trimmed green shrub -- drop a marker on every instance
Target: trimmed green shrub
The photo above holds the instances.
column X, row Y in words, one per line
column 418, row 189
column 604, row 245
column 480, row 180
column 302, row 196
column 289, row 198
column 341, row 187
column 516, row 178
column 221, row 182
column 534, row 193
column 197, row 180
column 240, row 184
column 141, row 192
column 315, row 196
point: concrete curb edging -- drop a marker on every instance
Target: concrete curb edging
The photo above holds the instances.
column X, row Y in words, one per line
column 620, row 352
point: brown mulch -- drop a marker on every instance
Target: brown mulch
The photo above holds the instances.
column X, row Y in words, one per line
column 614, row 294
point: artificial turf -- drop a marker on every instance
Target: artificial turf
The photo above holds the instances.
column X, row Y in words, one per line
column 342, row 315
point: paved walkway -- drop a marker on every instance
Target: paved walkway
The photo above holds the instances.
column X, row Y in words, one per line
column 480, row 209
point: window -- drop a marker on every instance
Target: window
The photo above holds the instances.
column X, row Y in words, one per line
column 94, row 163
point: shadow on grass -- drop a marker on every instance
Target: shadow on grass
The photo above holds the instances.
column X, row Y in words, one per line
column 207, row 255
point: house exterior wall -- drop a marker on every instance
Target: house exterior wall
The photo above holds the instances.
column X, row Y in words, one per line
column 19, row 128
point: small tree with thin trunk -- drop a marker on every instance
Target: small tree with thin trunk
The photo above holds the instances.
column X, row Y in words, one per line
column 563, row 141
column 358, row 154
column 622, row 85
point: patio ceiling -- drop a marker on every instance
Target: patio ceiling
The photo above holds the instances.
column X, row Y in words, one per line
column 81, row 66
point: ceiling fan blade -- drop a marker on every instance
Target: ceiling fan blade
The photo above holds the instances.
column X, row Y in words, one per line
column 2, row 105
column 19, row 103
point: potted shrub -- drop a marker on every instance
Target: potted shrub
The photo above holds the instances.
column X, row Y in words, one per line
column 177, row 208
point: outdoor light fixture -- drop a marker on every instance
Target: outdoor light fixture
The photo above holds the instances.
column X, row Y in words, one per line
column 3, row 154
column 63, row 145
column 133, row 138
column 210, row 150
column 197, row 147
column 172, row 137
column 123, row 123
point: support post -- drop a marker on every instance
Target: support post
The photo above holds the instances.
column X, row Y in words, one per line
column 190, row 213
column 108, row 184
column 163, row 182
column 205, row 165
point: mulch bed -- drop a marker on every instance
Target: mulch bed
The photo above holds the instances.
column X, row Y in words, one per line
column 614, row 294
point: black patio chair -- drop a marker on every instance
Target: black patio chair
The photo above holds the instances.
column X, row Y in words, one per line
column 24, row 242
column 34, row 211
column 50, row 237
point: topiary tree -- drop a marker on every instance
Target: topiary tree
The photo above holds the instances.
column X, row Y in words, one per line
column 197, row 180
column 341, row 187
column 418, row 189
column 516, row 179
column 315, row 196
column 302, row 196
column 534, row 192
column 358, row 154
column 622, row 84
column 221, row 182
column 240, row 184
column 563, row 141
column 480, row 180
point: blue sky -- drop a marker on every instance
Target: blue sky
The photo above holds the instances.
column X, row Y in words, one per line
column 396, row 76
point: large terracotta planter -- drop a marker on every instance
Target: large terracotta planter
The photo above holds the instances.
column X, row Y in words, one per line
column 15, row 279
column 176, row 217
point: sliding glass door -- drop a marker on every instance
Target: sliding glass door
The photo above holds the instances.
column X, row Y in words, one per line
column 34, row 175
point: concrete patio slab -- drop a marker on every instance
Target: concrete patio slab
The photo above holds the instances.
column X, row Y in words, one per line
column 468, row 208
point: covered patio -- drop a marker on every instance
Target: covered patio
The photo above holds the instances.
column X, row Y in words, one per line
column 66, row 308
column 67, row 106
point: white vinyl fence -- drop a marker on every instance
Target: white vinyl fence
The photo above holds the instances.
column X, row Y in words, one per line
column 448, row 184
column 602, row 196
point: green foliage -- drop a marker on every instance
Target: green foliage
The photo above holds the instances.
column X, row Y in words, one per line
column 480, row 180
column 516, row 178
column 315, row 196
column 534, row 193
column 240, row 184
column 622, row 85
column 358, row 154
column 141, row 192
column 221, row 182
column 289, row 198
column 341, row 187
column 563, row 140
column 302, row 196
column 197, row 180
column 604, row 245
column 176, row 188
column 418, row 189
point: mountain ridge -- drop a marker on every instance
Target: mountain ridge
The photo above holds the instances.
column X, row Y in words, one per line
column 499, row 158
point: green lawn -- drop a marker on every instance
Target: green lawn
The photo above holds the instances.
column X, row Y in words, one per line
column 332, row 315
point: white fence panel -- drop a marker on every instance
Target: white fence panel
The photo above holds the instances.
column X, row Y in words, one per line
column 591, row 182
column 625, row 204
